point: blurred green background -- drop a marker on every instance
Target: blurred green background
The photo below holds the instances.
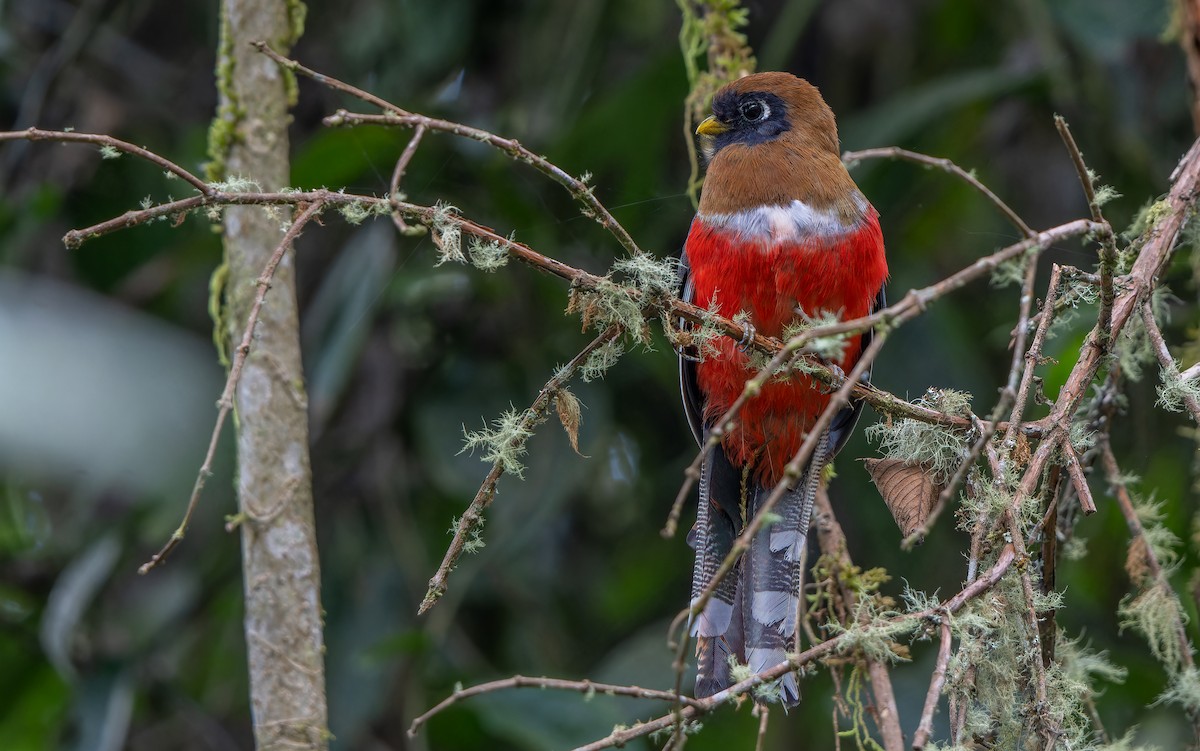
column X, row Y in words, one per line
column 108, row 376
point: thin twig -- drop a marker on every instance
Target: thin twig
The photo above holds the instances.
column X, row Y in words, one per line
column 925, row 727
column 70, row 136
column 1032, row 358
column 588, row 687
column 892, row 152
column 764, row 713
column 398, row 174
column 1137, row 534
column 817, row 652
column 1078, row 479
column 1170, row 368
column 1108, row 243
column 394, row 115
column 473, row 516
column 225, row 404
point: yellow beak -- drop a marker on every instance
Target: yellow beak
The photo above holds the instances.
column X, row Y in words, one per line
column 711, row 126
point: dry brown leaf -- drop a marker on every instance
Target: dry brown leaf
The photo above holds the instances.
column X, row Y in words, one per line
column 569, row 414
column 1021, row 453
column 907, row 489
column 1135, row 561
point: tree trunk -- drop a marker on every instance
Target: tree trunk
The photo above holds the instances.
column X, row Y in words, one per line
column 284, row 642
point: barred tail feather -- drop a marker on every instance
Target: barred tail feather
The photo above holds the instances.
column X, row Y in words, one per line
column 773, row 577
column 718, row 634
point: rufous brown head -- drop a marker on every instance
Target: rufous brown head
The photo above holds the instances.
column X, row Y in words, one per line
column 770, row 140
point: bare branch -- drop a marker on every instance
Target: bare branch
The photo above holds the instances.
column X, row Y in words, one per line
column 892, row 152
column 70, row 136
column 700, row 707
column 1170, row 368
column 398, row 174
column 1160, row 241
column 1108, row 244
column 587, row 687
column 225, row 404
column 471, row 519
column 1032, row 358
column 1137, row 534
column 925, row 727
column 395, row 115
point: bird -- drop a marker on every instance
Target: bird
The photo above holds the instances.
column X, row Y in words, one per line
column 782, row 235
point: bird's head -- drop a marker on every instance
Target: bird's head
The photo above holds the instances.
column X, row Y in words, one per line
column 768, row 107
column 770, row 140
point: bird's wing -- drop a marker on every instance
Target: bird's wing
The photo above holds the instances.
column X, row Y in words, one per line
column 693, row 404
column 845, row 420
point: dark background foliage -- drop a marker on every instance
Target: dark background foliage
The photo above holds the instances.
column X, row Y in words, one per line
column 107, row 374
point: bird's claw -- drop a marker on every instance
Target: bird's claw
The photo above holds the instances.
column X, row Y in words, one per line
column 838, row 380
column 748, row 334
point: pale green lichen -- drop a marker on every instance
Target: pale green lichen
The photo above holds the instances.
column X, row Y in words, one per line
column 474, row 541
column 655, row 276
column 608, row 303
column 1161, row 540
column 994, row 698
column 1174, row 392
column 487, row 255
column 828, row 348
column 236, row 184
column 1146, row 218
column 873, row 631
column 915, row 442
column 1070, row 684
column 447, row 234
column 109, row 152
column 916, row 601
column 1075, row 549
column 216, row 311
column 1102, row 193
column 1155, row 613
column 600, row 360
column 354, row 212
column 504, row 443
column 1184, row 691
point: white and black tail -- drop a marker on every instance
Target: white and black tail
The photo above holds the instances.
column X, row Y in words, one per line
column 751, row 618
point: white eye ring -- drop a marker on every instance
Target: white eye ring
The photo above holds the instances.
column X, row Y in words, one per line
column 766, row 110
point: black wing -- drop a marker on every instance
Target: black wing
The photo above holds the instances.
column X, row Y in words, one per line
column 693, row 405
column 845, row 420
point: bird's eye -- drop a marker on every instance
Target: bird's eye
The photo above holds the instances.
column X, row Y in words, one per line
column 754, row 110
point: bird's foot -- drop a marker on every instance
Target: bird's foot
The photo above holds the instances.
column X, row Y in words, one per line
column 838, row 380
column 748, row 334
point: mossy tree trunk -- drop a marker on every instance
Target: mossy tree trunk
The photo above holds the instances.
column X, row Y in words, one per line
column 284, row 641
